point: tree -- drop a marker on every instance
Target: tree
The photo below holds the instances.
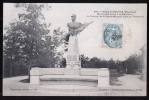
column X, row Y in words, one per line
column 84, row 61
column 28, row 40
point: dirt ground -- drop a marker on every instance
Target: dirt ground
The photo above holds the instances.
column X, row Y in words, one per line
column 127, row 85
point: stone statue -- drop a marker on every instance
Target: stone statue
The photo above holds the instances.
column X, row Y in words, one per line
column 74, row 28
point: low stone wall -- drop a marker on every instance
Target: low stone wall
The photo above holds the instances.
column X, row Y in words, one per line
column 89, row 71
column 52, row 71
column 61, row 71
column 100, row 74
column 34, row 76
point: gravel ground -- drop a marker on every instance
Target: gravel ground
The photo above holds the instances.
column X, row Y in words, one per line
column 127, row 85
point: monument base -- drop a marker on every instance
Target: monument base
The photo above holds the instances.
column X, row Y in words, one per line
column 38, row 75
column 73, row 67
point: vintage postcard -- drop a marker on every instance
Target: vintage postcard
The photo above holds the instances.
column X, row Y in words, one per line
column 74, row 49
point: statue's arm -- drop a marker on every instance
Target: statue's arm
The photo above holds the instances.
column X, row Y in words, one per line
column 86, row 24
column 83, row 26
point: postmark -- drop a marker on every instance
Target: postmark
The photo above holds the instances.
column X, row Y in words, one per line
column 112, row 35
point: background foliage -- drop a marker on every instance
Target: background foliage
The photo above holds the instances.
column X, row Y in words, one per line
column 29, row 42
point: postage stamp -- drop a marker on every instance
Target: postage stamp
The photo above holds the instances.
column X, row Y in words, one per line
column 112, row 35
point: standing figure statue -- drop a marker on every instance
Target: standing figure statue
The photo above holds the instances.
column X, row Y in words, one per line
column 74, row 28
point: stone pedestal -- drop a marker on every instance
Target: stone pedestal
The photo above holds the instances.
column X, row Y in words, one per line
column 73, row 67
column 34, row 76
column 72, row 58
column 72, row 61
column 103, row 77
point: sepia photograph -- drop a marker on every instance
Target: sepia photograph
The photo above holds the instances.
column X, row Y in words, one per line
column 74, row 49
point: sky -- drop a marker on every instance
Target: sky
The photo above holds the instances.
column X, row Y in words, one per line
column 90, row 40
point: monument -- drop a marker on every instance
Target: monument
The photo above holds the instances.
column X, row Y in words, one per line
column 73, row 70
column 73, row 63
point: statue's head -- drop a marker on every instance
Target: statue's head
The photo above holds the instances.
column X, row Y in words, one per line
column 73, row 17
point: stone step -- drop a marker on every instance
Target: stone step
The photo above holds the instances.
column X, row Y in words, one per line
column 69, row 83
column 67, row 87
column 68, row 77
